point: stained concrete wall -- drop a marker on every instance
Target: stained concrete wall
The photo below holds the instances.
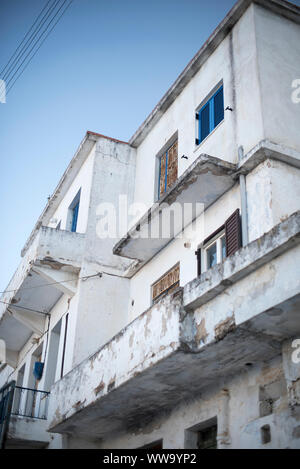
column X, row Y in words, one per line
column 242, row 420
column 272, row 194
column 103, row 302
column 278, row 55
column 207, row 223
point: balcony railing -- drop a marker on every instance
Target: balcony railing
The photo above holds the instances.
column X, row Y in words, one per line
column 6, row 399
column 31, row 403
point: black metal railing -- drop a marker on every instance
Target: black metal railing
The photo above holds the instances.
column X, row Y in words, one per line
column 6, row 400
column 31, row 403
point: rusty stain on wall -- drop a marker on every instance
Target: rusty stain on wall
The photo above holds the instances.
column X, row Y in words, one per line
column 224, row 327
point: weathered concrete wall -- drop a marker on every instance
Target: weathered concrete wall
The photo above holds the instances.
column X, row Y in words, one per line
column 242, row 423
column 103, row 302
column 272, row 195
column 81, row 182
column 217, row 339
column 151, row 337
column 278, row 54
column 207, row 223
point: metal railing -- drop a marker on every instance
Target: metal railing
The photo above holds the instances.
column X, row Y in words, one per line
column 6, row 400
column 31, row 403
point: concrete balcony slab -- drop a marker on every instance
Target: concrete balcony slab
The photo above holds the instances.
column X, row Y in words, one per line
column 53, row 256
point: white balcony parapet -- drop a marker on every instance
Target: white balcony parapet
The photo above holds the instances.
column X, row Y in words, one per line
column 53, row 257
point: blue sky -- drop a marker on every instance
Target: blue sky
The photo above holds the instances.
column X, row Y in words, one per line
column 103, row 68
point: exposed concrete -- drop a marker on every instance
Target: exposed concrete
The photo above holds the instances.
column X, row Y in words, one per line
column 174, row 364
column 249, row 258
column 211, row 351
column 53, row 256
column 27, row 433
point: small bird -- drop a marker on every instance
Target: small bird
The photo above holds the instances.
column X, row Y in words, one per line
column 185, row 157
column 229, row 109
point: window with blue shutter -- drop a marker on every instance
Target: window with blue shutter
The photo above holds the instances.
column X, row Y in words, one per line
column 74, row 217
column 73, row 212
column 210, row 115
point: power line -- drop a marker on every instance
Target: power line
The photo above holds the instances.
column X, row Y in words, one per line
column 41, row 43
column 24, row 37
column 31, row 37
column 38, row 46
column 99, row 274
column 29, row 42
column 22, row 307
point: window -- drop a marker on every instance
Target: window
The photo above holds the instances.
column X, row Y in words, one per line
column 74, row 217
column 168, row 169
column 207, row 438
column 265, row 433
column 224, row 242
column 210, row 115
column 73, row 213
column 167, row 283
column 155, row 446
column 202, row 436
column 215, row 252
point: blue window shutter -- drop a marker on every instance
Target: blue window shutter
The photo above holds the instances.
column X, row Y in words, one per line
column 75, row 217
column 210, row 115
column 218, row 107
column 204, row 122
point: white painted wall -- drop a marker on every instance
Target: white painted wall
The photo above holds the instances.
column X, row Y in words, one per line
column 278, row 51
column 207, row 223
column 82, row 181
column 235, row 63
column 273, row 194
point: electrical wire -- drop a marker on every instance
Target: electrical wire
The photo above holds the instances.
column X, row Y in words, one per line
column 30, row 39
column 54, row 283
column 39, row 46
column 27, row 45
column 2, row 71
column 23, row 307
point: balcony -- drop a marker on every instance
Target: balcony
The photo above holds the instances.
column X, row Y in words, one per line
column 206, row 180
column 23, row 414
column 188, row 340
column 52, row 256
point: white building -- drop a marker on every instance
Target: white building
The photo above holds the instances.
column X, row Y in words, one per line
column 144, row 343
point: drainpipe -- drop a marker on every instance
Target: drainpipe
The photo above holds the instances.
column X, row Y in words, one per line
column 244, row 207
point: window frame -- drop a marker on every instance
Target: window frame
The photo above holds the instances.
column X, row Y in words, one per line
column 217, row 240
column 73, row 213
column 209, row 101
column 164, row 151
column 169, row 289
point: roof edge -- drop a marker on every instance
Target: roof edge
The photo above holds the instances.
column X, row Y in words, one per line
column 283, row 7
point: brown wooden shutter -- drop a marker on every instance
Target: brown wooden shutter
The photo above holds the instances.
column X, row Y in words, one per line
column 233, row 236
column 162, row 174
column 172, row 164
column 168, row 282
